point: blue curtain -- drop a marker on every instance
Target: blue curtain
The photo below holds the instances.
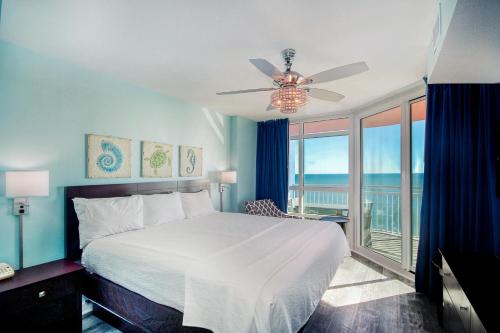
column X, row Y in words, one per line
column 460, row 209
column 272, row 161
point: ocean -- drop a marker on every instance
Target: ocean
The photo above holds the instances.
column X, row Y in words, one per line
column 371, row 179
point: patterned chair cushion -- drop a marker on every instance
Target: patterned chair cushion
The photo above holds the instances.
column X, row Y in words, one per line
column 265, row 207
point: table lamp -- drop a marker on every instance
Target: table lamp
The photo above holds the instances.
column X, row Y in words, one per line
column 21, row 185
column 225, row 177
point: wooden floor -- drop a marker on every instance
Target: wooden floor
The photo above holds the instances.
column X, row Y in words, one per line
column 390, row 245
column 360, row 299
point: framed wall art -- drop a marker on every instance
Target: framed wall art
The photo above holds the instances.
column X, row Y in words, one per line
column 156, row 160
column 108, row 157
column 190, row 161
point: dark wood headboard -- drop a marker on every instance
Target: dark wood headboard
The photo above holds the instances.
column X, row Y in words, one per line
column 72, row 240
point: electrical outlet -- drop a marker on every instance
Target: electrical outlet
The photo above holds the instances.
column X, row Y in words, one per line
column 21, row 206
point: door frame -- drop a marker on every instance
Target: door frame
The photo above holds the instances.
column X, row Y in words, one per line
column 402, row 100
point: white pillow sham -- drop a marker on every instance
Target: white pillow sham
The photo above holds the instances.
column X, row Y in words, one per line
column 107, row 216
column 197, row 204
column 162, row 208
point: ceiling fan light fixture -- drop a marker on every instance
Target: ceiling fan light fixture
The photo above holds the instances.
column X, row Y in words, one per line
column 289, row 99
column 290, row 90
column 289, row 108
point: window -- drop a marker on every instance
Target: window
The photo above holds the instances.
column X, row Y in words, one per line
column 326, row 126
column 293, row 175
column 294, row 130
column 319, row 167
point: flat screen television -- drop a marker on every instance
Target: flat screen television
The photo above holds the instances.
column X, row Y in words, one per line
column 497, row 157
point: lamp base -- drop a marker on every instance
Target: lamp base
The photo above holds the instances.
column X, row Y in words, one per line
column 221, row 191
column 20, row 208
column 21, row 254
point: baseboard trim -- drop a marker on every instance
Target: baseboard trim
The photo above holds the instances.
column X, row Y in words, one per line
column 407, row 277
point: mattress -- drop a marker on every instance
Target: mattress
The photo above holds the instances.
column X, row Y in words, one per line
column 226, row 272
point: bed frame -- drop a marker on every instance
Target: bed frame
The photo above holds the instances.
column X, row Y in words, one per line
column 124, row 309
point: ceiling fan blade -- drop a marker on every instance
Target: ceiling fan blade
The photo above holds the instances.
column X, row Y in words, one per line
column 337, row 73
column 326, row 95
column 267, row 68
column 270, row 107
column 244, row 91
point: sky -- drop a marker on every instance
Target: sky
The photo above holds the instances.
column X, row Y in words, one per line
column 381, row 151
column 417, row 139
column 326, row 155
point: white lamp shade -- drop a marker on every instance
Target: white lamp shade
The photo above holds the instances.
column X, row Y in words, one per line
column 228, row 177
column 24, row 184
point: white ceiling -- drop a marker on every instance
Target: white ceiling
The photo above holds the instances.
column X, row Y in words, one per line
column 192, row 49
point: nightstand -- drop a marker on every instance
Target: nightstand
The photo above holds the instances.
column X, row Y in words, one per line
column 46, row 296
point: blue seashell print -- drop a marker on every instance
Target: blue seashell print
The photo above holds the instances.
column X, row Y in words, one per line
column 191, row 157
column 112, row 158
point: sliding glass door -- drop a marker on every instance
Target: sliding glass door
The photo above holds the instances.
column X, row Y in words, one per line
column 391, row 170
column 417, row 113
column 381, row 183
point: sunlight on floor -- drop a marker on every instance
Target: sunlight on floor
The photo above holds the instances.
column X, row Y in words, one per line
column 355, row 282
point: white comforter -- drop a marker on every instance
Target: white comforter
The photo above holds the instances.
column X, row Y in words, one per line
column 227, row 272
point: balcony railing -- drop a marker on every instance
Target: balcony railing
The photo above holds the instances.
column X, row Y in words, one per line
column 385, row 204
column 320, row 199
column 386, row 208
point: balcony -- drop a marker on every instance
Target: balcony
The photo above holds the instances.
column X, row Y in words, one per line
column 382, row 216
column 320, row 200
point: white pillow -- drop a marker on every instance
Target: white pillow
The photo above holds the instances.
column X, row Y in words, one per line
column 107, row 216
column 197, row 204
column 161, row 208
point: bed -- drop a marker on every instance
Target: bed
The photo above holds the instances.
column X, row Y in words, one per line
column 221, row 272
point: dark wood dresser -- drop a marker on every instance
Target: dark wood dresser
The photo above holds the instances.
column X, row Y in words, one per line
column 471, row 291
column 45, row 298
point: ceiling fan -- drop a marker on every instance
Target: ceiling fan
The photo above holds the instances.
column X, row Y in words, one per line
column 291, row 89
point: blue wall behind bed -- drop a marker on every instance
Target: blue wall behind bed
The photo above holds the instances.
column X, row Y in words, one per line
column 46, row 108
column 243, row 157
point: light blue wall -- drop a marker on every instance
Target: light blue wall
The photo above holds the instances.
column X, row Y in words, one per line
column 243, row 154
column 46, row 108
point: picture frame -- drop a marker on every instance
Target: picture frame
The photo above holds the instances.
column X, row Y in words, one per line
column 190, row 161
column 156, row 159
column 108, row 157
